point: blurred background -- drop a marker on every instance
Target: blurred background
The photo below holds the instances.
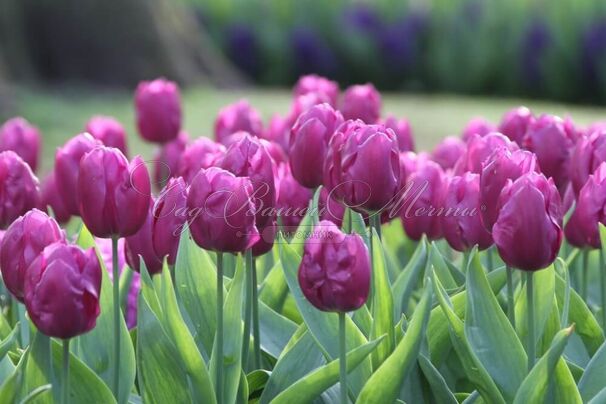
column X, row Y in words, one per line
column 438, row 62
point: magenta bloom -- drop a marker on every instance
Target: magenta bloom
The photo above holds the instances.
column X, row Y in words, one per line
column 362, row 101
column 202, row 153
column 22, row 243
column 108, row 131
column 222, row 210
column 168, row 158
column 158, row 110
column 18, row 188
column 582, row 228
column 308, row 143
column 479, row 148
column 67, row 167
column 401, row 127
column 313, row 83
column 587, row 156
column 141, row 244
column 461, row 222
column 515, row 123
column 237, row 117
column 49, row 196
column 502, row 166
column 334, row 274
column 448, row 152
column 330, row 209
column 276, row 152
column 528, row 230
column 278, row 131
column 62, row 288
column 23, row 138
column 168, row 218
column 477, row 126
column 293, row 198
column 550, row 140
column 114, row 195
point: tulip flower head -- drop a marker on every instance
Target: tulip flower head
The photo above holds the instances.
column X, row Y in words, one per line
column 362, row 101
column 168, row 157
column 108, row 131
column 477, row 126
column 168, row 218
column 479, row 148
column 515, row 123
column 158, row 110
column 202, row 153
column 18, row 188
column 237, row 117
column 448, row 152
column 293, row 198
column 401, row 127
column 49, row 197
column 23, row 138
column 313, row 83
column 588, row 154
column 141, row 244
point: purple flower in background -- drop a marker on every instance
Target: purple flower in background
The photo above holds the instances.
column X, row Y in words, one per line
column 593, row 54
column 243, row 49
column 399, row 42
column 362, row 18
column 311, row 54
column 535, row 41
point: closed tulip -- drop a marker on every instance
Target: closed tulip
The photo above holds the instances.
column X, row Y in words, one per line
column 108, row 131
column 479, row 148
column 50, row 197
column 334, row 273
column 22, row 243
column 308, row 143
column 313, row 83
column 168, row 218
column 330, row 208
column 587, row 156
column 448, row 152
column 222, row 211
column 202, row 153
column 276, row 152
column 401, row 127
column 461, row 222
column 141, row 244
column 278, row 131
column 23, row 138
column 237, row 117
column 293, row 198
column 67, row 167
column 158, row 110
column 18, row 188
column 515, row 123
column 477, row 126
column 114, row 195
column 528, row 230
column 62, row 288
column 168, row 158
column 363, row 102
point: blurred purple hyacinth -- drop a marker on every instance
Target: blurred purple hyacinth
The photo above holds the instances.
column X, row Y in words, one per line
column 593, row 53
column 399, row 42
column 535, row 41
column 243, row 49
column 311, row 53
column 362, row 18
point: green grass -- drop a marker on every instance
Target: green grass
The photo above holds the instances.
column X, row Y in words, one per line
column 61, row 114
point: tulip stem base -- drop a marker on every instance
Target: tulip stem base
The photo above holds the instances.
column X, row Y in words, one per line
column 584, row 274
column 375, row 222
column 219, row 339
column 65, row 389
column 247, row 308
column 603, row 289
column 511, row 311
column 255, row 316
column 116, row 290
column 342, row 359
column 530, row 349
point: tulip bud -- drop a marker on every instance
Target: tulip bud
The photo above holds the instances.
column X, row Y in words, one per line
column 18, row 188
column 168, row 219
column 224, row 211
column 277, row 154
column 548, row 138
column 237, row 117
column 62, row 288
column 587, row 155
column 108, row 131
column 503, row 165
column 334, row 273
column 67, row 167
column 461, row 222
column 49, row 196
column 141, row 244
column 168, row 158
column 477, row 126
column 24, row 139
column 582, row 228
column 528, row 231
column 202, row 153
column 308, row 143
column 479, row 149
column 515, row 123
column 313, row 83
column 293, row 198
column 21, row 244
column 278, row 131
column 267, row 236
column 363, row 102
column 448, row 152
column 158, row 110
column 114, row 195
column 401, row 127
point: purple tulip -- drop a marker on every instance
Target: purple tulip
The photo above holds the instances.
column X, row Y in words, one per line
column 267, row 236
column 363, row 102
column 222, row 210
column 308, row 143
column 330, row 209
column 479, row 148
column 23, row 138
column 582, row 228
column 62, row 288
column 313, row 83
column 528, row 230
column 549, row 139
column 515, row 123
column 587, row 156
column 168, row 219
column 202, row 153
column 168, row 159
column 277, row 154
column 401, row 127
column 49, row 196
column 141, row 244
column 18, row 188
column 22, row 243
column 114, row 195
column 503, row 165
column 477, row 126
column 108, row 131
column 334, row 274
column 462, row 224
column 67, row 167
column 293, row 198
column 448, row 152
column 237, row 117
column 158, row 110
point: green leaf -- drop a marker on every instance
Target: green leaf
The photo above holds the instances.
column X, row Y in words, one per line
column 490, row 334
column 543, row 302
column 10, row 388
column 593, row 380
column 363, row 320
column 312, row 385
column 384, row 385
column 439, row 387
column 534, row 386
column 599, row 398
column 440, row 267
column 276, row 330
column 408, row 279
column 36, row 393
column 273, row 290
column 9, row 342
column 256, row 382
column 38, row 367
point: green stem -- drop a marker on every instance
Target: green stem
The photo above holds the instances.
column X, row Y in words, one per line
column 489, row 260
column 350, row 221
column 220, row 359
column 247, row 307
column 23, row 325
column 65, row 390
column 255, row 317
column 531, row 331
column 585, row 275
column 603, row 289
column 511, row 311
column 375, row 222
column 342, row 359
column 466, row 255
column 116, row 286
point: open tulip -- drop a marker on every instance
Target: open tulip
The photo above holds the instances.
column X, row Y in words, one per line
column 477, row 126
column 313, row 83
column 448, row 152
column 237, row 117
column 308, row 143
column 49, row 197
column 362, row 101
column 22, row 243
column 587, row 156
column 18, row 188
column 168, row 158
column 108, row 131
column 334, row 274
column 114, row 195
column 202, row 153
column 62, row 288
column 23, row 138
column 515, row 123
column 158, row 110
column 401, row 127
column 168, row 218
column 479, row 148
column 141, row 244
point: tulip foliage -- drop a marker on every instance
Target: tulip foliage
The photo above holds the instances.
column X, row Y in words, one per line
column 321, row 263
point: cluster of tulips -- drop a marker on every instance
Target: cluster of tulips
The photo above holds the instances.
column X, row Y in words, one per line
column 333, row 162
